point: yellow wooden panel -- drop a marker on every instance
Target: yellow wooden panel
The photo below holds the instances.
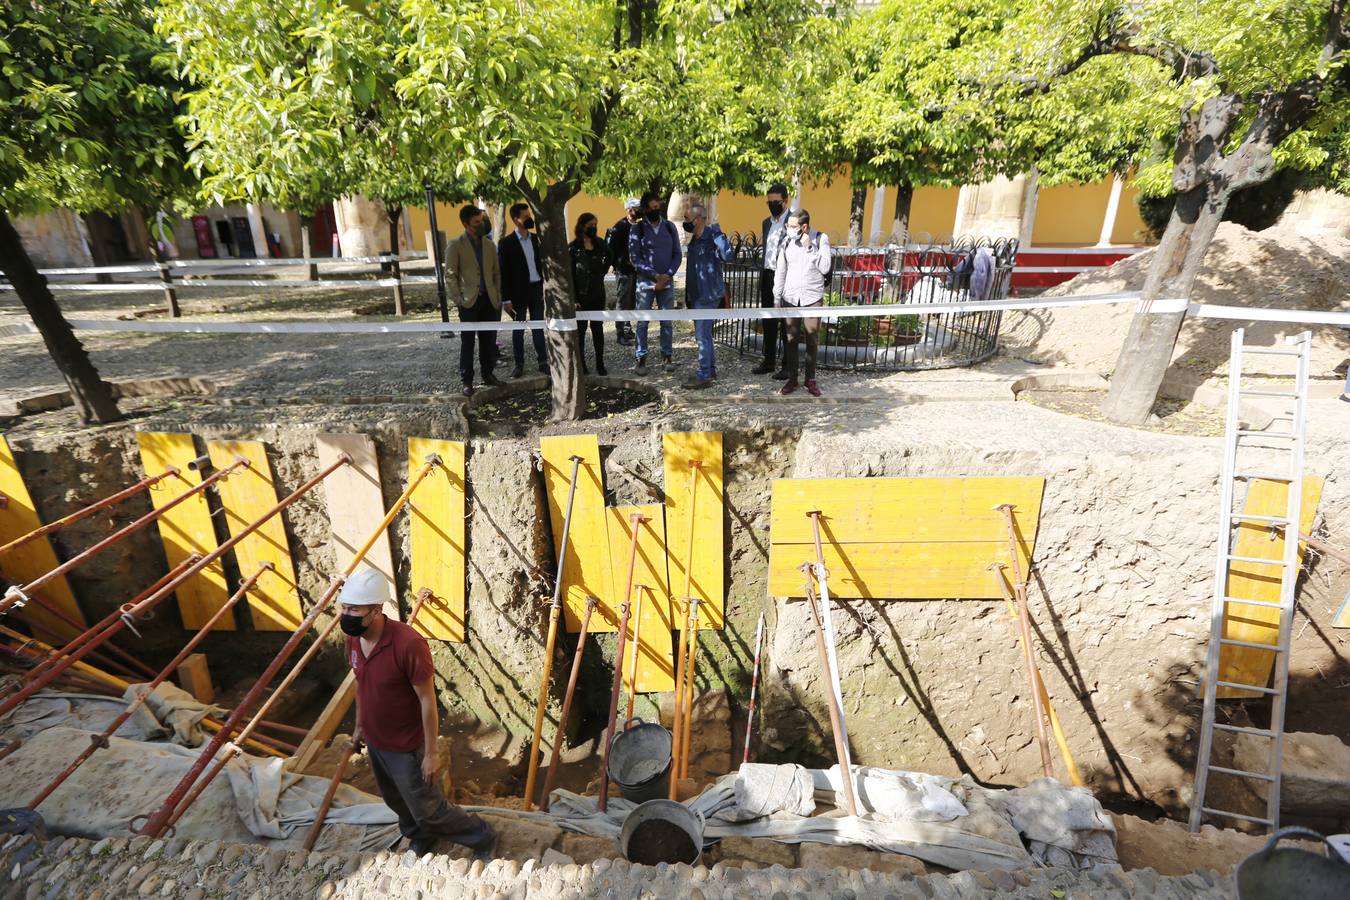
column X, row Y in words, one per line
column 901, row 538
column 436, row 513
column 869, row 510
column 706, row 583
column 1256, row 581
column 18, row 516
column 656, row 656
column 908, row 571
column 585, row 570
column 187, row 528
column 274, row 601
column 355, row 502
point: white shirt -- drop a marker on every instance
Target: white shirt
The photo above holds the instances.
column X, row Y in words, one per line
column 771, row 240
column 800, row 276
column 527, row 247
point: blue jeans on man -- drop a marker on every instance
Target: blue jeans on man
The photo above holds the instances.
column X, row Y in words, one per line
column 665, row 299
column 703, row 334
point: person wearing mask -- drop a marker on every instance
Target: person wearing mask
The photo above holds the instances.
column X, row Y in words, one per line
column 654, row 247
column 523, row 285
column 773, row 235
column 709, row 250
column 799, row 281
column 474, row 283
column 590, row 262
column 397, row 720
column 617, row 240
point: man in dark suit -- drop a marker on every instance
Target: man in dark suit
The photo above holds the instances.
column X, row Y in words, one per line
column 523, row 285
column 773, row 234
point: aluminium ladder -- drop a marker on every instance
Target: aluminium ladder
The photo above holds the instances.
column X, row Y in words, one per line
column 1239, row 445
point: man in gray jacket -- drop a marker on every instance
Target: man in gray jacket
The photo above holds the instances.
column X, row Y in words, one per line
column 800, row 281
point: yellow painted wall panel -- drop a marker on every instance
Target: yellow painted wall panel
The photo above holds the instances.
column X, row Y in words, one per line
column 274, row 602
column 656, row 655
column 607, row 211
column 1255, row 581
column 932, row 213
column 741, row 213
column 895, row 571
column 18, row 516
column 1130, row 227
column 586, row 569
column 436, row 514
column 1070, row 214
column 709, row 561
column 187, row 528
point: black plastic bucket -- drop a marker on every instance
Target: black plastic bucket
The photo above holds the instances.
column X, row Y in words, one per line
column 639, row 761
column 662, row 831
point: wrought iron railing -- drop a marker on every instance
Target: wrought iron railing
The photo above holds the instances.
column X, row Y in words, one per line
column 913, row 275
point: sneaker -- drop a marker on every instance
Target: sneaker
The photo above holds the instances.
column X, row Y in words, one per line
column 488, row 849
column 1346, row 396
column 517, row 372
column 763, row 368
column 669, row 364
column 626, row 338
column 422, row 846
column 781, row 375
column 812, row 388
column 467, row 390
column 600, row 368
column 493, row 380
column 789, row 387
column 696, row 383
column 641, row 367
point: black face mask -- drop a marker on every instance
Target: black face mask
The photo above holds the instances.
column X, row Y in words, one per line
column 689, row 227
column 775, row 208
column 483, row 229
column 527, row 223
column 591, row 231
column 653, row 216
column 353, row 625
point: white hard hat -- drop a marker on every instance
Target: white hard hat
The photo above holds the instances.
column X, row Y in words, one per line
column 366, row 587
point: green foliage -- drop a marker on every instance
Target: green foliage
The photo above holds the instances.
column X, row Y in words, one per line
column 87, row 108
column 1256, row 208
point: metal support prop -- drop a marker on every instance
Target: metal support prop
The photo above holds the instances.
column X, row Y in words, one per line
column 1060, row 740
column 635, row 521
column 144, row 693
column 754, row 687
column 823, row 579
column 551, row 642
column 158, row 821
column 689, row 670
column 1024, row 623
column 633, row 653
column 677, row 722
column 836, row 711
column 313, row 836
column 15, row 594
column 87, row 511
column 555, row 759
column 125, row 662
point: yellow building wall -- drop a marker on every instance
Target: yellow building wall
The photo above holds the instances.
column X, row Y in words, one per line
column 1130, row 228
column 607, row 210
column 932, row 213
column 1070, row 214
column 447, row 219
column 741, row 213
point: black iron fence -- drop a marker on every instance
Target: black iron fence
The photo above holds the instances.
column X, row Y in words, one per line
column 937, row 273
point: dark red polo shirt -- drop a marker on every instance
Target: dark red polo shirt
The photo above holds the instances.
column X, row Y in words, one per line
column 386, row 704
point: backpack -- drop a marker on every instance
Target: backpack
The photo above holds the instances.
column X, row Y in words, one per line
column 958, row 279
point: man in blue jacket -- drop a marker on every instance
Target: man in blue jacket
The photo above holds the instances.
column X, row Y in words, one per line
column 704, row 286
column 654, row 247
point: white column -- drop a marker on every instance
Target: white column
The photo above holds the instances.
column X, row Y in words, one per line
column 1031, row 191
column 965, row 204
column 712, row 206
column 878, row 209
column 1112, row 209
column 255, row 225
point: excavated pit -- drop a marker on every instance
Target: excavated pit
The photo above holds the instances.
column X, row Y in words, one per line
column 1120, row 594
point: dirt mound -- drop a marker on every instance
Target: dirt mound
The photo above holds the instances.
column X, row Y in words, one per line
column 1276, row 268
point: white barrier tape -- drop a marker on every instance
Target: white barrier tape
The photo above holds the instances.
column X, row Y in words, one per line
column 1163, row 305
column 561, row 324
column 226, row 263
column 227, row 284
column 181, row 327
column 1247, row 314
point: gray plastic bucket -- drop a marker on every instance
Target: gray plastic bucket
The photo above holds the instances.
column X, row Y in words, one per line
column 639, row 761
column 662, row 831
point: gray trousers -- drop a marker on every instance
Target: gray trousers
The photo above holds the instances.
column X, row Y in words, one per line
column 423, row 814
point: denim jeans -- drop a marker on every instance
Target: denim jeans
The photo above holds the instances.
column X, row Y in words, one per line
column 665, row 299
column 703, row 333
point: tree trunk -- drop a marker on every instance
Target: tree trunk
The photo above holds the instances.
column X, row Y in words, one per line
column 91, row 394
column 1147, row 351
column 165, row 276
column 856, row 204
column 564, row 352
column 307, row 250
column 393, row 213
column 904, row 200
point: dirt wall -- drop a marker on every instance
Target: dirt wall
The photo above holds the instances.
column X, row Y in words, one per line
column 1121, row 594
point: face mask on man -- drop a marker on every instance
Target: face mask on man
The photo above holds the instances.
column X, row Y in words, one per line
column 483, row 229
column 653, row 216
column 775, row 208
column 689, row 227
column 353, row 624
column 527, row 223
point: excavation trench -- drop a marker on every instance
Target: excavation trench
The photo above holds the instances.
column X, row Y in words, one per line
column 1120, row 596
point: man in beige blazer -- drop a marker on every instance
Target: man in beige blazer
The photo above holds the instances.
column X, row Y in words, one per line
column 474, row 283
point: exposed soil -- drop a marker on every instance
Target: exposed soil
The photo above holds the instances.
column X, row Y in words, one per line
column 658, row 841
column 519, row 413
column 1174, row 416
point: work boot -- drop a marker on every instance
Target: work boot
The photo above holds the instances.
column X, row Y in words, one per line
column 600, row 366
column 641, row 367
column 763, row 368
column 789, row 387
column 493, row 380
column 696, row 383
column 517, row 371
column 812, row 388
column 669, row 363
column 625, row 336
column 467, row 390
column 781, row 374
column 485, row 851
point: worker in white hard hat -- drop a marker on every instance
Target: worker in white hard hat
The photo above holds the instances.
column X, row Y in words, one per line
column 397, row 719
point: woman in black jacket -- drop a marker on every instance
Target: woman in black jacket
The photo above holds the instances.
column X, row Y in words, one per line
column 590, row 261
